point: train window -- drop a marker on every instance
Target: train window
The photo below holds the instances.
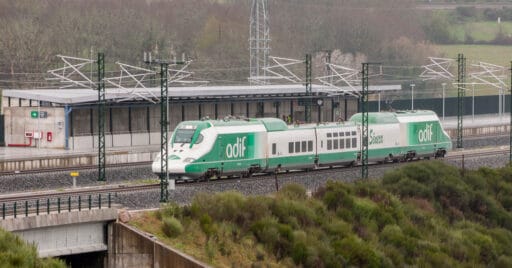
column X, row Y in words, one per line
column 322, row 144
column 347, row 134
column 341, row 134
column 335, row 147
column 183, row 135
column 353, row 133
column 335, row 134
column 347, row 143
column 329, row 135
column 297, row 146
column 342, row 144
column 310, row 146
column 290, row 147
column 304, row 146
column 274, row 148
column 354, row 142
column 329, row 144
column 199, row 139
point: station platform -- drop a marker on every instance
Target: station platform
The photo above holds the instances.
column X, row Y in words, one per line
column 17, row 159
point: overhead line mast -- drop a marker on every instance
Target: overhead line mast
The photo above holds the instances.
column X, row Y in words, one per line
column 259, row 39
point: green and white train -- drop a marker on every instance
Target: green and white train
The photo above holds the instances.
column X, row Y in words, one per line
column 212, row 148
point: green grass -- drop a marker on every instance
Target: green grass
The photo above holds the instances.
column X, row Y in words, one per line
column 480, row 30
column 499, row 55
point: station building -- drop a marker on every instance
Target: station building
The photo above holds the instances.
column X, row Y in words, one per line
column 68, row 119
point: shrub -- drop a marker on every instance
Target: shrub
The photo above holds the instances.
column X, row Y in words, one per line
column 207, row 225
column 172, row 227
column 293, row 191
column 336, row 195
column 293, row 212
column 357, row 253
column 504, row 262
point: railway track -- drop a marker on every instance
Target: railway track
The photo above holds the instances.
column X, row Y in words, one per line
column 77, row 168
column 122, row 188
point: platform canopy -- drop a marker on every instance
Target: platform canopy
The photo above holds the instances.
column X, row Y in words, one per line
column 87, row 96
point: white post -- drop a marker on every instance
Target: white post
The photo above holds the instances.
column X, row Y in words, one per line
column 444, row 85
column 412, row 96
column 473, row 104
column 499, row 103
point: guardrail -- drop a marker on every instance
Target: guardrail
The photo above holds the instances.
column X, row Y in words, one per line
column 51, row 205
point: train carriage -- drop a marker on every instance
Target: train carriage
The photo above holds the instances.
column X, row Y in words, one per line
column 204, row 149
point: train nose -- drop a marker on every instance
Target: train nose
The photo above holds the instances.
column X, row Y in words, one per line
column 174, row 167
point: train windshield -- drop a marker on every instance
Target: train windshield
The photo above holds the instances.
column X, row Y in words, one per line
column 183, row 135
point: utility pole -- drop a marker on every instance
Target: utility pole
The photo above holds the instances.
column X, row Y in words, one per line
column 364, row 119
column 101, row 117
column 308, row 103
column 164, row 130
column 461, row 81
column 510, row 127
column 164, row 127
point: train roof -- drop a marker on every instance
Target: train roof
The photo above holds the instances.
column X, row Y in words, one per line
column 396, row 117
column 271, row 124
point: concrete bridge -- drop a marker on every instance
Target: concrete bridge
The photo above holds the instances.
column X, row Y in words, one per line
column 69, row 233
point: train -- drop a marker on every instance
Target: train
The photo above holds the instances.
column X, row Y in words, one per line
column 206, row 149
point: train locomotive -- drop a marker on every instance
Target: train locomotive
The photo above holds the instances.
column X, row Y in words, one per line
column 205, row 149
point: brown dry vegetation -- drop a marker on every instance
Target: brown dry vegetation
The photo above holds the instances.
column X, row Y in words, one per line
column 214, row 33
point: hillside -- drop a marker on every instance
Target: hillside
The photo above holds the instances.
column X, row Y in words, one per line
column 424, row 214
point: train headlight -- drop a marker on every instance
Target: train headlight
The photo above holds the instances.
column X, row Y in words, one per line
column 188, row 160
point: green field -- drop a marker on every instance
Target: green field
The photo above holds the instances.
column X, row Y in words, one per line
column 499, row 55
column 480, row 30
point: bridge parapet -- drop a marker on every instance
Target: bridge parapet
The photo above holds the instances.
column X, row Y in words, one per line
column 58, row 234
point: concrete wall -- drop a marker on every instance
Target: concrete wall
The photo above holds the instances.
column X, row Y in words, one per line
column 129, row 247
column 66, row 233
column 18, row 121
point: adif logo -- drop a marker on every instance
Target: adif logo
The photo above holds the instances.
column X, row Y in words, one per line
column 425, row 135
column 236, row 150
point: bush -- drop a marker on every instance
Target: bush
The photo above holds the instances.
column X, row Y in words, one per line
column 172, row 227
column 336, row 195
column 293, row 191
column 357, row 253
column 207, row 225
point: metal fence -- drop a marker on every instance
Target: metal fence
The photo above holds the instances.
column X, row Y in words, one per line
column 55, row 205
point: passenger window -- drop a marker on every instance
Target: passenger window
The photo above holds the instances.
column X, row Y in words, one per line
column 329, row 135
column 341, row 134
column 347, row 134
column 353, row 133
column 290, row 147
column 322, row 144
column 347, row 143
column 354, row 142
column 342, row 144
column 335, row 144
column 310, row 146
column 297, row 146
column 274, row 148
column 304, row 146
column 329, row 144
column 335, row 134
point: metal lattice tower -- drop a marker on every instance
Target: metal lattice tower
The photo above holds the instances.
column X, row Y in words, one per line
column 259, row 38
column 101, row 117
column 308, row 103
column 461, row 81
column 364, row 123
column 164, row 98
column 510, row 148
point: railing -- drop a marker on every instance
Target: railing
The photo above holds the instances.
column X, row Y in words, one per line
column 51, row 205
